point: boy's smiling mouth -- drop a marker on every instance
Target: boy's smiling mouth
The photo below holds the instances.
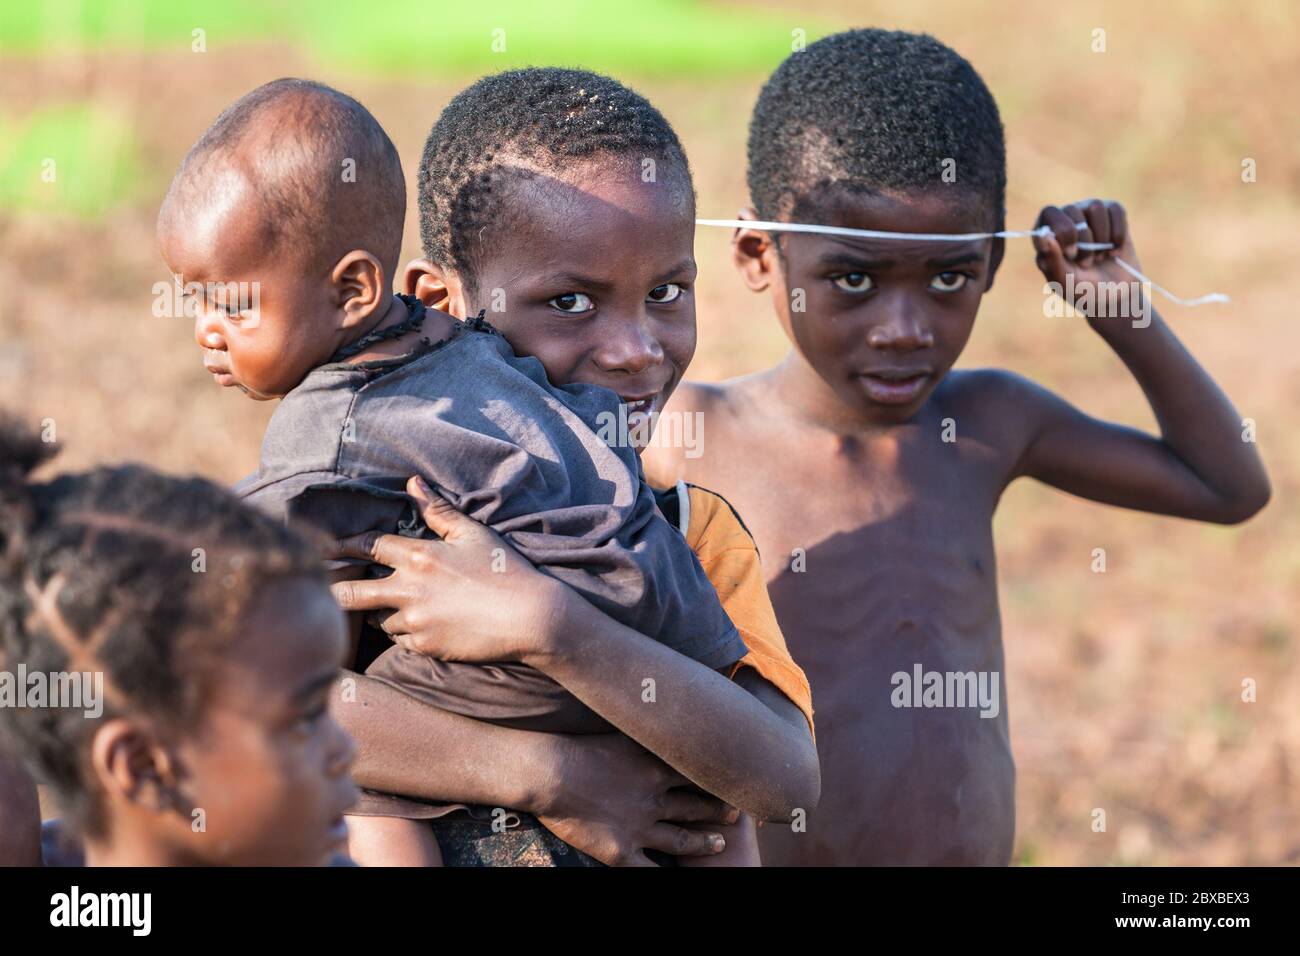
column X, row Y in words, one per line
column 895, row 386
column 643, row 405
column 640, row 411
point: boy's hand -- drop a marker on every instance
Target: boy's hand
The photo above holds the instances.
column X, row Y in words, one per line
column 467, row 597
column 613, row 800
column 1076, row 272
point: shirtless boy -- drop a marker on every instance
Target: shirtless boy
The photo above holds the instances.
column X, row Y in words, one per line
column 876, row 532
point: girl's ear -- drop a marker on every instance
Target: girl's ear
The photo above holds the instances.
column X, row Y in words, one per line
column 436, row 287
column 132, row 767
column 754, row 254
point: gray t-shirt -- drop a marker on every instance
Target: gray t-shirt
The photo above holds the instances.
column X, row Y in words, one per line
column 487, row 430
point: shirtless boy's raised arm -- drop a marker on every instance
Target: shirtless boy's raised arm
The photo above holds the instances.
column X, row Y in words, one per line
column 1201, row 466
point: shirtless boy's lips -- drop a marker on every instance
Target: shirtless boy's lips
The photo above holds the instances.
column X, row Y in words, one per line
column 894, row 386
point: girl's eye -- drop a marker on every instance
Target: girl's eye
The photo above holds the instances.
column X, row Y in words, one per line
column 307, row 723
column 949, row 281
column 663, row 294
column 574, row 303
column 854, row 282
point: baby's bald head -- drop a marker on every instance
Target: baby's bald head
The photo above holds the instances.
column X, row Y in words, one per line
column 312, row 169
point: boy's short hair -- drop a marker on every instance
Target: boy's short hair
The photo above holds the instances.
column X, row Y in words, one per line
column 534, row 120
column 870, row 110
column 324, row 170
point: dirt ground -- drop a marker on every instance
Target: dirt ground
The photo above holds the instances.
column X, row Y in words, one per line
column 1125, row 688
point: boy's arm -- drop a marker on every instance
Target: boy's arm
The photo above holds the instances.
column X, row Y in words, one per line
column 1201, row 466
column 601, row 793
column 727, row 737
column 713, row 731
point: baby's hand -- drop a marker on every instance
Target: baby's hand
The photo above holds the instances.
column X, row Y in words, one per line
column 1076, row 271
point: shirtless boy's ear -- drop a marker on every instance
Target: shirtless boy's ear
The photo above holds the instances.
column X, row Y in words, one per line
column 436, row 287
column 995, row 260
column 754, row 254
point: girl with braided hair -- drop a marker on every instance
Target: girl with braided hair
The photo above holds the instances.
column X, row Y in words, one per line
column 216, row 640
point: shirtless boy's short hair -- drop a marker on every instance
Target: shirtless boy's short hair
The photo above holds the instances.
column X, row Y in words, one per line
column 328, row 175
column 538, row 120
column 872, row 109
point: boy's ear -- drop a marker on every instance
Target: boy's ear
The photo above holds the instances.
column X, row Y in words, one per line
column 360, row 286
column 754, row 254
column 131, row 766
column 436, row 287
column 995, row 260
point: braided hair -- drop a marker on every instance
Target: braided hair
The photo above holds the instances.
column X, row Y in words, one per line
column 131, row 573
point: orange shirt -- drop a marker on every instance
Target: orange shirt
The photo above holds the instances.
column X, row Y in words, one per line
column 730, row 559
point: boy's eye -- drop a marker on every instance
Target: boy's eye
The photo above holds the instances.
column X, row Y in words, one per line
column 574, row 303
column 662, row 294
column 949, row 281
column 854, row 282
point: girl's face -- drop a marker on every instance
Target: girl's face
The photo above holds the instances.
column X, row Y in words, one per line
column 264, row 779
column 592, row 272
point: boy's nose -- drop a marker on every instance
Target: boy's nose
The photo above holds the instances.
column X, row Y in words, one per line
column 901, row 329
column 629, row 346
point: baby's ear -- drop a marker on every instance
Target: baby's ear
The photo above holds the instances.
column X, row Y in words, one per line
column 436, row 287
column 754, row 253
column 360, row 285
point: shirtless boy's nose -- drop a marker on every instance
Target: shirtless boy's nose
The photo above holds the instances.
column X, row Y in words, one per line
column 900, row 329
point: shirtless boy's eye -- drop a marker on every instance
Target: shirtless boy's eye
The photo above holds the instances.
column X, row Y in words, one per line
column 663, row 294
column 949, row 281
column 573, row 303
column 854, row 283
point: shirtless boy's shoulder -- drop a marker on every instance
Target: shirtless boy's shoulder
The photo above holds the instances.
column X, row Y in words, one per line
column 999, row 406
column 723, row 408
column 994, row 398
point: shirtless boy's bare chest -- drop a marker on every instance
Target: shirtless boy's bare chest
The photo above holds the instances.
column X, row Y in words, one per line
column 879, row 557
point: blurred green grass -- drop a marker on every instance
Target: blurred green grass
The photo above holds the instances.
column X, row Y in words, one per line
column 650, row 37
column 97, row 157
column 74, row 158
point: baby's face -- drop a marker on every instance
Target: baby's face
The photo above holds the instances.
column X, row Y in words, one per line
column 594, row 276
column 270, row 765
column 882, row 321
column 260, row 315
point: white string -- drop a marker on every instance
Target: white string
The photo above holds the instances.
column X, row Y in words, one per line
column 767, row 226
